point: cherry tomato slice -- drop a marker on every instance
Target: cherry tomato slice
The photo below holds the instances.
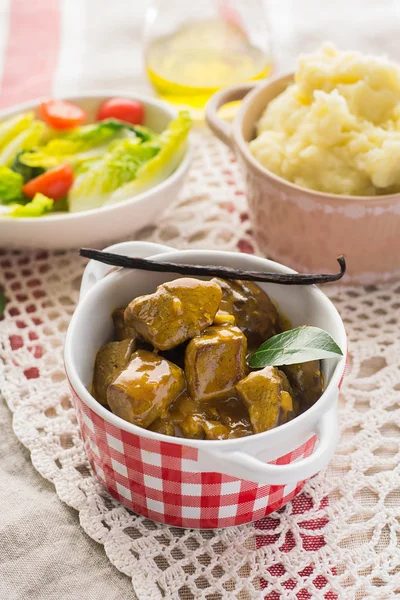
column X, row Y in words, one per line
column 60, row 114
column 123, row 109
column 54, row 183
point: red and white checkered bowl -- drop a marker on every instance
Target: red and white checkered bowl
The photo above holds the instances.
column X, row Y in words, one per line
column 198, row 483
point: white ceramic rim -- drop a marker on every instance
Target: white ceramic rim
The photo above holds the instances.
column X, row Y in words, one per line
column 272, row 435
column 176, row 175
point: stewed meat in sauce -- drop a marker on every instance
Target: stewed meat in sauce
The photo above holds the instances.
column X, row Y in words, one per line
column 178, row 311
column 178, row 366
column 110, row 360
column 144, row 389
column 215, row 362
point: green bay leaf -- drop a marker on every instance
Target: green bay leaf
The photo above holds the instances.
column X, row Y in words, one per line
column 298, row 345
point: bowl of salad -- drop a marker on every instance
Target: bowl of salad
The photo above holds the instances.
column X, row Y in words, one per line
column 88, row 169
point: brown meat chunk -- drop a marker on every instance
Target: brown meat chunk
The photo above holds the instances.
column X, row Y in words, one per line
column 215, row 430
column 197, row 420
column 185, row 415
column 214, row 362
column 208, row 420
column 110, row 360
column 198, row 427
column 145, row 388
column 234, row 414
column 252, row 308
column 163, row 425
column 184, row 405
column 192, row 427
column 307, row 382
column 267, row 395
column 122, row 331
column 179, row 310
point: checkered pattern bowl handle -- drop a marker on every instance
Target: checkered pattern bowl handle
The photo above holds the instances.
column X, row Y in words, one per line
column 162, row 481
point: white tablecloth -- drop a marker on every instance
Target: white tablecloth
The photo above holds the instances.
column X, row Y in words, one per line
column 66, row 47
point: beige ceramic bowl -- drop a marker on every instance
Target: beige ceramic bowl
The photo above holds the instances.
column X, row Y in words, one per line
column 303, row 228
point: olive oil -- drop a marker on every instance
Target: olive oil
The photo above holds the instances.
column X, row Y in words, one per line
column 188, row 66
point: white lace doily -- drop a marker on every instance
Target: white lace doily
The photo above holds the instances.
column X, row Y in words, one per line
column 338, row 539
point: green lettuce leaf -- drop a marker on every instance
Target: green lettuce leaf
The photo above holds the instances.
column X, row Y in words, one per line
column 145, row 133
column 103, row 130
column 38, row 206
column 58, row 151
column 26, row 138
column 11, row 127
column 61, row 206
column 10, row 185
column 172, row 142
column 83, row 144
column 119, row 165
column 27, row 173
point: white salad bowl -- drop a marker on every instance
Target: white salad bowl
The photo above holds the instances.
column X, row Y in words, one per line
column 107, row 223
column 198, row 483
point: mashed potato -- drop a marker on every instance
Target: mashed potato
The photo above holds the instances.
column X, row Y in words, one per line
column 337, row 128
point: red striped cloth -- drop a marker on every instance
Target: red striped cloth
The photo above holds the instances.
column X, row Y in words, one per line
column 62, row 47
column 32, row 50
